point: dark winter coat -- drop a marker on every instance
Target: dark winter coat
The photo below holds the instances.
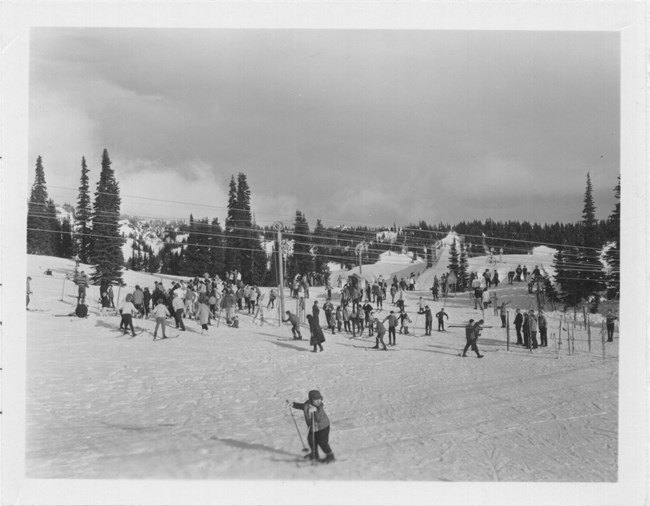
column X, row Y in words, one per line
column 519, row 320
column 317, row 335
column 321, row 421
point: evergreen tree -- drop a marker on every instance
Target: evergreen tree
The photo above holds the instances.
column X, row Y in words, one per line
column 566, row 264
column 590, row 274
column 249, row 239
column 301, row 261
column 463, row 270
column 320, row 262
column 454, row 261
column 41, row 217
column 66, row 248
column 107, row 256
column 231, row 241
column 83, row 216
column 216, row 251
column 613, row 255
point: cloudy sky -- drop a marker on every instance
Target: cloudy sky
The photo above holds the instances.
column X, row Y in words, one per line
column 349, row 126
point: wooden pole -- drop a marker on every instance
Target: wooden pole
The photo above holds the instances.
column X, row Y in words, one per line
column 63, row 288
column 602, row 339
column 557, row 348
column 588, row 325
column 507, row 330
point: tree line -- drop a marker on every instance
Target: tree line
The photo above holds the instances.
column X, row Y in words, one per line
column 238, row 245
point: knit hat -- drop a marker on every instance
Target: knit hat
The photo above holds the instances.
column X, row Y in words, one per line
column 314, row 394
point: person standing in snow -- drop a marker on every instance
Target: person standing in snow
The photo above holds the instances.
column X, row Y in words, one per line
column 428, row 321
column 541, row 323
column 610, row 318
column 381, row 332
column 295, row 324
column 441, row 315
column 404, row 320
column 203, row 313
column 178, row 307
column 160, row 313
column 29, row 289
column 319, row 425
column 392, row 325
column 127, row 310
column 502, row 314
column 519, row 320
column 472, row 332
column 315, row 311
column 272, row 296
column 317, row 336
column 82, row 284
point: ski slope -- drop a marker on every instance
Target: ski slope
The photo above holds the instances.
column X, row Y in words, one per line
column 100, row 405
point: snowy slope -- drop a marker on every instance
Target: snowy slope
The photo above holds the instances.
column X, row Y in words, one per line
column 102, row 405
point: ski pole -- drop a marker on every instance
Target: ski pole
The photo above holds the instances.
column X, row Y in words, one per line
column 304, row 448
column 313, row 437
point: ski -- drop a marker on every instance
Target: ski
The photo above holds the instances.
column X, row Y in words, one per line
column 166, row 337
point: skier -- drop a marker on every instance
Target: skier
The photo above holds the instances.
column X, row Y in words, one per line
column 441, row 322
column 319, row 426
column 502, row 313
column 272, row 295
column 472, row 332
column 392, row 325
column 519, row 320
column 609, row 319
column 381, row 332
column 82, row 283
column 541, row 323
column 404, row 320
column 203, row 313
column 428, row 321
column 160, row 312
column 295, row 324
column 127, row 310
column 178, row 307
column 317, row 336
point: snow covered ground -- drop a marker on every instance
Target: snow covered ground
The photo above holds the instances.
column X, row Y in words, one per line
column 102, row 405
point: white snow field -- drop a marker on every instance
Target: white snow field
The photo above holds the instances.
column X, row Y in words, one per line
column 104, row 406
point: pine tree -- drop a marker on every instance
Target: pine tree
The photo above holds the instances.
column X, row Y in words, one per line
column 567, row 281
column 590, row 274
column 83, row 216
column 107, row 256
column 231, row 241
column 66, row 249
column 216, row 251
column 463, row 270
column 249, row 239
column 301, row 261
column 318, row 238
column 41, row 217
column 613, row 255
column 454, row 262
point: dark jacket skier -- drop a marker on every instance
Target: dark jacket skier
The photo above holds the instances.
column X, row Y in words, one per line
column 318, row 423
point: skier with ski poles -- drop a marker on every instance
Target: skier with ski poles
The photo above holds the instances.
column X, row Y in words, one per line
column 319, row 426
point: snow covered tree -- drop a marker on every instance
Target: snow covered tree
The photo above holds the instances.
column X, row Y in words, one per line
column 83, row 217
column 107, row 256
column 613, row 255
column 41, row 217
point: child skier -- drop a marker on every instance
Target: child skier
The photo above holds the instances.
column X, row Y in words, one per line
column 160, row 312
column 319, row 426
column 127, row 310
